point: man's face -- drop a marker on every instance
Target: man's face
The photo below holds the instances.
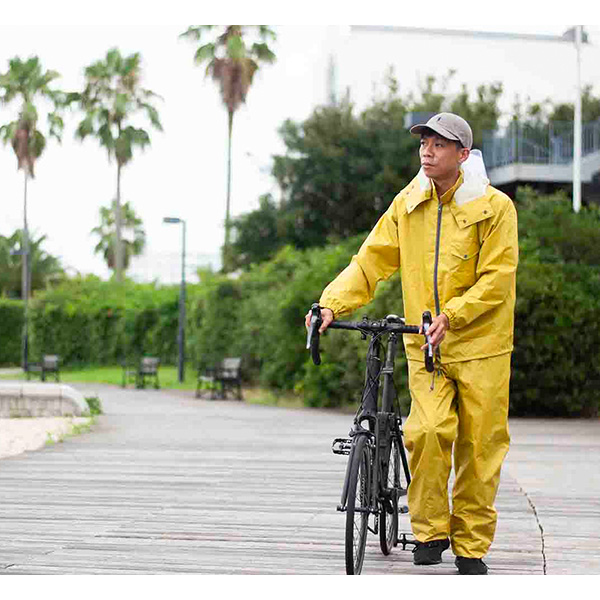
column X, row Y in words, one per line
column 441, row 158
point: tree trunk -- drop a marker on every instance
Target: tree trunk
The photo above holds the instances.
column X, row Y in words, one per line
column 118, row 242
column 228, row 204
column 25, row 277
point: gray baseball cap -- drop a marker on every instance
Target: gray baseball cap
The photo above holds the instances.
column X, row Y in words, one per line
column 449, row 126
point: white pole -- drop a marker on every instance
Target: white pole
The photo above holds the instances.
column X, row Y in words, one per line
column 577, row 127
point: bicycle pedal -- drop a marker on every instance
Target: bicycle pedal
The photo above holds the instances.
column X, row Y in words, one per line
column 406, row 541
column 341, row 446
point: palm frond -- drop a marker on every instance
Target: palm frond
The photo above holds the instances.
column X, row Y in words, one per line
column 205, row 53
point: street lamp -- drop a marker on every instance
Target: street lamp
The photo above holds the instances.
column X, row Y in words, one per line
column 181, row 333
column 577, row 125
column 25, row 287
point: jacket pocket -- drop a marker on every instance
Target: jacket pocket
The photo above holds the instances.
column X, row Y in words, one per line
column 463, row 267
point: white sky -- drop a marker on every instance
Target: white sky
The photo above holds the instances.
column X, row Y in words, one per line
column 183, row 173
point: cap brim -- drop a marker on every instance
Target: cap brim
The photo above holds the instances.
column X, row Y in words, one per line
column 419, row 129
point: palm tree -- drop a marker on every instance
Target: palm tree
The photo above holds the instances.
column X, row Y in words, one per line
column 112, row 99
column 133, row 244
column 232, row 63
column 45, row 268
column 27, row 83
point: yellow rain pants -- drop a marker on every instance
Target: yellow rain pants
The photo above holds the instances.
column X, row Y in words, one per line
column 466, row 411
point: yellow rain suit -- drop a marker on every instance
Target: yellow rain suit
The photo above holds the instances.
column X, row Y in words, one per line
column 457, row 255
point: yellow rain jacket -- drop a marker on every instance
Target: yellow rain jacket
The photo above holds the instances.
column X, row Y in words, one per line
column 457, row 255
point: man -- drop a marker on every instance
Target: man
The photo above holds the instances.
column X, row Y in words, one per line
column 454, row 239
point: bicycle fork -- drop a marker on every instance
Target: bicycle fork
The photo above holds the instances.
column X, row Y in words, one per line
column 347, row 446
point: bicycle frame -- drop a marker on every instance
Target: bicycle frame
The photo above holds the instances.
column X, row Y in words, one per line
column 382, row 423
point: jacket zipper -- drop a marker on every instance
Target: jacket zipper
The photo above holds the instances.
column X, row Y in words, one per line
column 436, row 294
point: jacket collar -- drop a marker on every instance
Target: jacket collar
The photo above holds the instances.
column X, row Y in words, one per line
column 474, row 185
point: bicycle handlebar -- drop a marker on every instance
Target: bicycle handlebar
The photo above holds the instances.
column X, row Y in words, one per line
column 391, row 324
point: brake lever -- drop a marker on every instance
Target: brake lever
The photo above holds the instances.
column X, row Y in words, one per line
column 429, row 359
column 312, row 338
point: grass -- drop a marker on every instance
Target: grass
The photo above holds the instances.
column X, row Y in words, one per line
column 76, row 429
column 114, row 375
column 168, row 378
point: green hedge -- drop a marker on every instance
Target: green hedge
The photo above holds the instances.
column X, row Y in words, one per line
column 88, row 321
column 11, row 331
column 556, row 361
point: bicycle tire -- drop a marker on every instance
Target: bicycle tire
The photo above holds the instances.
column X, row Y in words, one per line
column 388, row 522
column 359, row 495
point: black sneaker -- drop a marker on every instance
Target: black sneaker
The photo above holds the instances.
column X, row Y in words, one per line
column 430, row 553
column 470, row 566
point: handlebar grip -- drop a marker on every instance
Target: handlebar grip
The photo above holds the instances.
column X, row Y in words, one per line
column 429, row 358
column 312, row 338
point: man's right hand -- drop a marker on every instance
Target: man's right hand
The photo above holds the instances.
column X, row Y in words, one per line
column 326, row 318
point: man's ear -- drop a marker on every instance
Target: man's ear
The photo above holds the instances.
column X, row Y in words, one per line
column 464, row 154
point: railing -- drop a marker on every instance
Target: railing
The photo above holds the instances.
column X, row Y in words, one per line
column 538, row 144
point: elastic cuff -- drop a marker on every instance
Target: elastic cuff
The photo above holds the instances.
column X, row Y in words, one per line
column 451, row 317
column 332, row 305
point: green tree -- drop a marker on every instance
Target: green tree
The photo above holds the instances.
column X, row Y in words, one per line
column 28, row 85
column 132, row 231
column 113, row 101
column 341, row 170
column 590, row 108
column 45, row 268
column 257, row 234
column 232, row 62
column 482, row 113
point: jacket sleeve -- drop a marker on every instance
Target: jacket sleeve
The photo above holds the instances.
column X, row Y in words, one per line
column 378, row 259
column 496, row 271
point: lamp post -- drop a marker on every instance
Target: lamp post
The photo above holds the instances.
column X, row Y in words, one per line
column 577, row 126
column 181, row 332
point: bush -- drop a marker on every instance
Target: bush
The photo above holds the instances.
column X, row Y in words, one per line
column 556, row 366
column 213, row 321
column 88, row 321
column 11, row 331
column 556, row 361
column 551, row 232
column 94, row 405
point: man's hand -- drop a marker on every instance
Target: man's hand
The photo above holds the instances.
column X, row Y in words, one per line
column 326, row 317
column 437, row 330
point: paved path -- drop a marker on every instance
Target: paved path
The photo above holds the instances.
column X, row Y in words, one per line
column 169, row 484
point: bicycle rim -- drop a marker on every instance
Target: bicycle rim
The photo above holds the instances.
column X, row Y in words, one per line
column 357, row 509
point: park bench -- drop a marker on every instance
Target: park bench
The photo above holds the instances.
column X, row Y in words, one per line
column 141, row 371
column 48, row 365
column 221, row 381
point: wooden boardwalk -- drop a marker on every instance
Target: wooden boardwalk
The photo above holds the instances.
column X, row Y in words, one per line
column 168, row 484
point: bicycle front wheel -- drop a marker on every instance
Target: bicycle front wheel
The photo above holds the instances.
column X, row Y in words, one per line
column 388, row 519
column 358, row 506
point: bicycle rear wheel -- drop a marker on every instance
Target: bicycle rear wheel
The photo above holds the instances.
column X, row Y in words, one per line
column 358, row 506
column 388, row 521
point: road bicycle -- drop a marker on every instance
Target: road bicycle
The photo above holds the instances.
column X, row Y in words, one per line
column 377, row 473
